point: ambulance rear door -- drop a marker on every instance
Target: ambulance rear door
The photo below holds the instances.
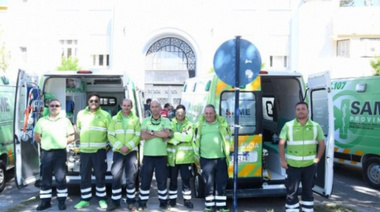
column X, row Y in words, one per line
column 321, row 111
column 28, row 105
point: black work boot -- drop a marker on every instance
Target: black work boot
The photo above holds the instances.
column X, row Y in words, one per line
column 43, row 205
column 164, row 206
column 173, row 202
column 131, row 207
column 113, row 207
column 142, row 207
column 61, row 205
column 188, row 204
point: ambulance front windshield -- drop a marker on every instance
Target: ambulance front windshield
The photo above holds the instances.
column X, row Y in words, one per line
column 247, row 113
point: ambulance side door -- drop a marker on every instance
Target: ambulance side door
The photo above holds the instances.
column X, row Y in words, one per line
column 28, row 104
column 321, row 111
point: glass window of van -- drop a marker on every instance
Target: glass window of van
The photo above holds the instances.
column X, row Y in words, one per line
column 319, row 109
column 247, row 112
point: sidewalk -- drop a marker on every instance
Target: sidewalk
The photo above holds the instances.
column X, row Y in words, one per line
column 27, row 199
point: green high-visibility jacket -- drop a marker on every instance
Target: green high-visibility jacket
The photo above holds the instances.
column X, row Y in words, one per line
column 120, row 136
column 301, row 142
column 93, row 129
column 224, row 132
column 180, row 147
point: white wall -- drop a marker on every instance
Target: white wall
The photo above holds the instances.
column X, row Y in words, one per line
column 305, row 31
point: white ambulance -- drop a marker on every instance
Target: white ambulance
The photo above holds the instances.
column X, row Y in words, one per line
column 264, row 106
column 71, row 88
column 357, row 125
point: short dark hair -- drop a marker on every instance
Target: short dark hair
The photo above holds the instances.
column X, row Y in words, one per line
column 302, row 103
column 167, row 105
column 52, row 100
column 180, row 107
column 128, row 100
column 211, row 106
column 148, row 100
column 91, row 95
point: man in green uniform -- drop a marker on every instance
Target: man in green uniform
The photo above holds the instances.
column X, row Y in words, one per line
column 53, row 132
column 212, row 146
column 92, row 122
column 301, row 136
column 155, row 130
column 181, row 156
column 124, row 136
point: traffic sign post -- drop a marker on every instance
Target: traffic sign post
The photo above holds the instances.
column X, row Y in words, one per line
column 237, row 63
column 236, row 127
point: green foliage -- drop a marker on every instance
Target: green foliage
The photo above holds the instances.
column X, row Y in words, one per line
column 333, row 208
column 376, row 66
column 4, row 57
column 69, row 64
column 346, row 3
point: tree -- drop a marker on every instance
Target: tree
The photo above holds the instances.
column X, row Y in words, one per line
column 376, row 66
column 4, row 57
column 347, row 3
column 69, row 64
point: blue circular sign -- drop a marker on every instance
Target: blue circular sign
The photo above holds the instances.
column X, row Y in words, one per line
column 224, row 62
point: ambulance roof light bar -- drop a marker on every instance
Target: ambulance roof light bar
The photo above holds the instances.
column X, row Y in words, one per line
column 84, row 72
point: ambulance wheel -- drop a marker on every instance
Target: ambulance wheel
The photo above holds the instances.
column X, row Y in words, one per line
column 371, row 169
column 198, row 186
column 2, row 176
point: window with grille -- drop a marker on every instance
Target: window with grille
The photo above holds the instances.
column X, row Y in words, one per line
column 278, row 62
column 343, row 48
column 69, row 48
column 100, row 60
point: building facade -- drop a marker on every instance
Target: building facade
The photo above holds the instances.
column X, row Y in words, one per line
column 162, row 43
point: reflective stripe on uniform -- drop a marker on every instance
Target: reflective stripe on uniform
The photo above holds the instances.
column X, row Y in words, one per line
column 93, row 144
column 186, row 195
column 117, row 145
column 45, row 194
column 170, row 150
column 163, row 194
column 301, row 142
column 132, row 144
column 183, row 136
column 101, row 192
column 292, row 208
column 300, row 158
column 290, row 132
column 173, row 194
column 85, row 190
column 62, row 192
column 116, row 190
column 185, row 148
column 95, row 128
column 116, row 197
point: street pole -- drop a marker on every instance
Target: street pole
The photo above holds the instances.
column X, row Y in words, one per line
column 236, row 125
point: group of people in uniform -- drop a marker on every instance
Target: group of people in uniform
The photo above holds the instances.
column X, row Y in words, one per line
column 170, row 148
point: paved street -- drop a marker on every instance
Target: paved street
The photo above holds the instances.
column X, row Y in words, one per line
column 349, row 191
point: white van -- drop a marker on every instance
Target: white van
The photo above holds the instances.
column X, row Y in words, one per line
column 264, row 106
column 71, row 88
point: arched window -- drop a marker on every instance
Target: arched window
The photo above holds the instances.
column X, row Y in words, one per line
column 170, row 54
column 168, row 63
